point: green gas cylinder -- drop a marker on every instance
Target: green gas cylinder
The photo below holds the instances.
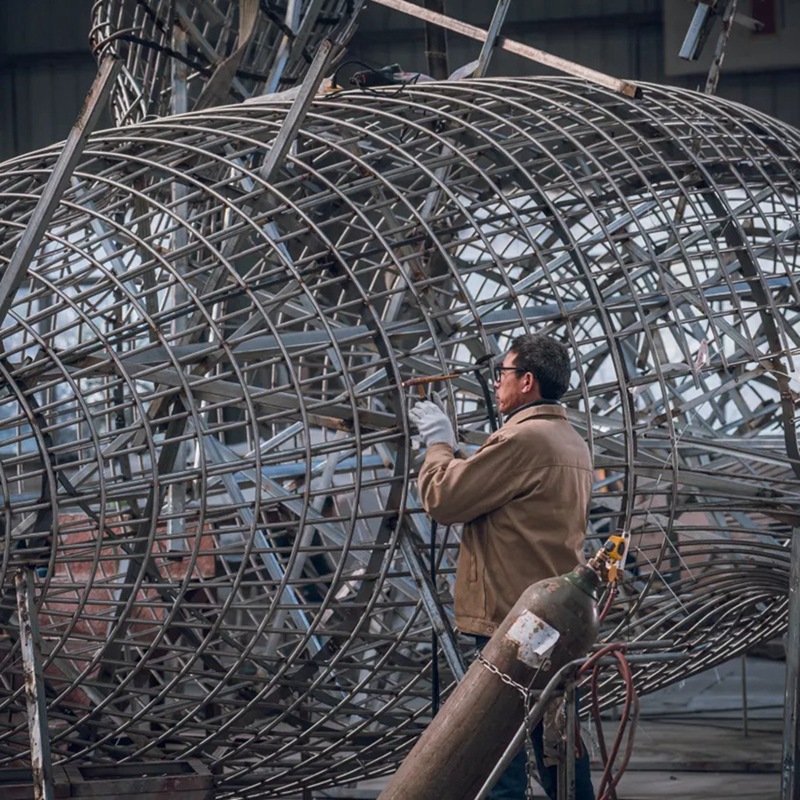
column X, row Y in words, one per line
column 553, row 622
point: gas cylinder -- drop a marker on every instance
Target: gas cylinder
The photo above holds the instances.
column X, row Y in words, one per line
column 553, row 622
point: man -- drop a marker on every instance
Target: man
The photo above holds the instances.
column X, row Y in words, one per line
column 523, row 498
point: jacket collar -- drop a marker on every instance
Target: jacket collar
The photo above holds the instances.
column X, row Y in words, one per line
column 546, row 408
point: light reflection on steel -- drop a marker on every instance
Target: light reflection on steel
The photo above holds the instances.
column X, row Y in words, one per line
column 204, row 440
column 184, row 55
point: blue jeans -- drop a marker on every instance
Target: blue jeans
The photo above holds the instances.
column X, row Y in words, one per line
column 511, row 784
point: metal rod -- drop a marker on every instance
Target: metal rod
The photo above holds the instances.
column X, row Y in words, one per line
column 427, row 592
column 790, row 786
column 57, row 182
column 294, row 119
column 429, row 379
column 41, row 764
column 744, row 695
column 569, row 754
column 719, row 50
column 436, row 43
column 518, row 48
column 490, row 43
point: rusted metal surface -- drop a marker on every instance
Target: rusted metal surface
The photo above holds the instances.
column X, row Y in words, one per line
column 16, row 783
column 203, row 426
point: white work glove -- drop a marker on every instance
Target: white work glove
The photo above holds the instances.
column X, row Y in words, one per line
column 432, row 423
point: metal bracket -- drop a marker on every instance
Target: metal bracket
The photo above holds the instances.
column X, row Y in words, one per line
column 700, row 28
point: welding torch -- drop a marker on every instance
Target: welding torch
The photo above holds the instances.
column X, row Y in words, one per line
column 426, row 379
column 479, row 376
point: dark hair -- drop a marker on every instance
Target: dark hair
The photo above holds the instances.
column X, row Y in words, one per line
column 547, row 359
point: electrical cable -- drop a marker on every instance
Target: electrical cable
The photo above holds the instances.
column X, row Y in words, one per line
column 203, row 69
column 487, row 396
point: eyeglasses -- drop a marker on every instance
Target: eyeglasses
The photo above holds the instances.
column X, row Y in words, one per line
column 499, row 370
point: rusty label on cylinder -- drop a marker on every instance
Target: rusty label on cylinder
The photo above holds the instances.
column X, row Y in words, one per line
column 536, row 639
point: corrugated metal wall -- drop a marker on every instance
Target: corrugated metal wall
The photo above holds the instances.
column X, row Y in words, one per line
column 619, row 37
column 624, row 38
column 46, row 68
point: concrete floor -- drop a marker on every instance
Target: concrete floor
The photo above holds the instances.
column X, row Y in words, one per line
column 694, row 742
column 700, row 760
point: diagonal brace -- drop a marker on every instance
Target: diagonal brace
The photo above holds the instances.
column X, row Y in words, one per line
column 57, row 182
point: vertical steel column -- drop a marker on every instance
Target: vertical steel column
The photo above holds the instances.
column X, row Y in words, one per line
column 790, row 786
column 176, row 493
column 57, row 183
column 30, row 646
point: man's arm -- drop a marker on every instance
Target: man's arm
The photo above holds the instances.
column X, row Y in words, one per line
column 459, row 490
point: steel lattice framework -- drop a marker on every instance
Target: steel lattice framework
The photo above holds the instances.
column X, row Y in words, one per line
column 180, row 55
column 204, row 438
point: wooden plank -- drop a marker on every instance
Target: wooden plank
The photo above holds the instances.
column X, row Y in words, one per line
column 518, row 48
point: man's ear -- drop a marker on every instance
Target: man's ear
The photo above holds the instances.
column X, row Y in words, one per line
column 531, row 384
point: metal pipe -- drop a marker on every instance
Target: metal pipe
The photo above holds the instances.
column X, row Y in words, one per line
column 30, row 645
column 790, row 785
column 490, row 43
column 568, row 764
column 57, row 182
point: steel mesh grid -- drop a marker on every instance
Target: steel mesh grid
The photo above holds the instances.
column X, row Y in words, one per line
column 180, row 54
column 205, row 442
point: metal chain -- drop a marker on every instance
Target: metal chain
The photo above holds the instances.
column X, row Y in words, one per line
column 531, row 767
column 507, row 679
column 527, row 698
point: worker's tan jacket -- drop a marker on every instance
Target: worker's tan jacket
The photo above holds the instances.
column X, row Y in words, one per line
column 524, row 497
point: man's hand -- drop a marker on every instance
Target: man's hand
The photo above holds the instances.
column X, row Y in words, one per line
column 432, row 423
